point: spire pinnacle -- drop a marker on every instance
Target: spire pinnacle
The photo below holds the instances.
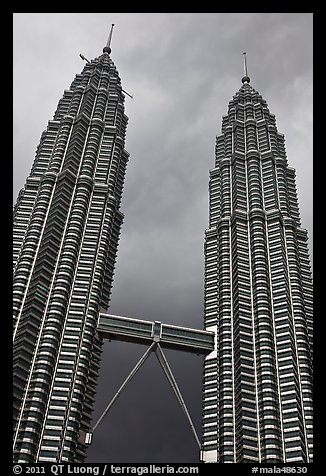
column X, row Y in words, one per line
column 246, row 78
column 107, row 48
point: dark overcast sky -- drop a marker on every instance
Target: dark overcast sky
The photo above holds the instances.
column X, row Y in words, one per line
column 182, row 69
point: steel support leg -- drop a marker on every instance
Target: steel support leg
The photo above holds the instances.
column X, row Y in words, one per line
column 155, row 347
column 168, row 372
column 130, row 376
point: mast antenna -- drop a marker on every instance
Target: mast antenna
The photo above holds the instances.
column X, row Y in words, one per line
column 107, row 47
column 245, row 64
column 246, row 78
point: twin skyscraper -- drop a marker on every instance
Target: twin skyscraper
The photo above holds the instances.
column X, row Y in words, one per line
column 257, row 390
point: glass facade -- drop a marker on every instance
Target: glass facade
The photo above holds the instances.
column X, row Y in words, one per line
column 66, row 231
column 257, row 394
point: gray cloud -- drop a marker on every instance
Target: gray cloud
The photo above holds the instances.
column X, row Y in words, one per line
column 182, row 69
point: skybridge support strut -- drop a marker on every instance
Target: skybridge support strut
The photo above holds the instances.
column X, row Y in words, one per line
column 130, row 376
column 157, row 336
column 168, row 372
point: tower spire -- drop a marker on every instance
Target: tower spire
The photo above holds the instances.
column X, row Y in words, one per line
column 246, row 78
column 107, row 48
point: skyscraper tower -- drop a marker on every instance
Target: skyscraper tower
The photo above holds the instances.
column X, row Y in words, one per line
column 67, row 222
column 257, row 400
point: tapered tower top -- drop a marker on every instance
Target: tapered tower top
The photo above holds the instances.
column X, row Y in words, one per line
column 246, row 78
column 107, row 48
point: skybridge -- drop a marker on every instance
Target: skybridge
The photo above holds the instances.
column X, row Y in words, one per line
column 138, row 331
column 157, row 336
